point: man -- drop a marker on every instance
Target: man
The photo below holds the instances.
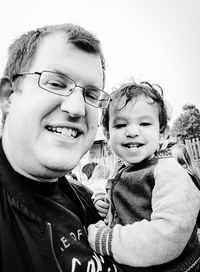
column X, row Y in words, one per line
column 57, row 76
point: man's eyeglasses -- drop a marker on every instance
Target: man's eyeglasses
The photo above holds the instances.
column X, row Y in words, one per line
column 62, row 85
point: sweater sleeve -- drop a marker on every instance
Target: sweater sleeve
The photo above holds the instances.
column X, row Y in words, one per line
column 175, row 205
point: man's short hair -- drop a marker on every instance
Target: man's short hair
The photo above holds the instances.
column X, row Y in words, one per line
column 22, row 51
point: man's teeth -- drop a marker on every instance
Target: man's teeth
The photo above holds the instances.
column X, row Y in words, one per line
column 67, row 132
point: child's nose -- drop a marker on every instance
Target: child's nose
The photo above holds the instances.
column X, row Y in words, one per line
column 132, row 131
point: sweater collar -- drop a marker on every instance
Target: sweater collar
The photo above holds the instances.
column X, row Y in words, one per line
column 140, row 165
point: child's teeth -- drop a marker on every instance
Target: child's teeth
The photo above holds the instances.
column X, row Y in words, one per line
column 132, row 145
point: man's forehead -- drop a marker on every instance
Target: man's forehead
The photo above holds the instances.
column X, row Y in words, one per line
column 55, row 53
column 51, row 42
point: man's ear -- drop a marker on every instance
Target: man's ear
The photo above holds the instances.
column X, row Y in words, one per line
column 164, row 138
column 6, row 94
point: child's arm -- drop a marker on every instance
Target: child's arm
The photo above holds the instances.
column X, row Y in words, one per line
column 175, row 205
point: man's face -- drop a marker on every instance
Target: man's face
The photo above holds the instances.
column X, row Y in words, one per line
column 45, row 134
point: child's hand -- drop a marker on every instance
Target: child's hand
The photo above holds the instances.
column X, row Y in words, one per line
column 92, row 231
column 102, row 206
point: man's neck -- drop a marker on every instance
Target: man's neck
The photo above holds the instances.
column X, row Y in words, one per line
column 21, row 171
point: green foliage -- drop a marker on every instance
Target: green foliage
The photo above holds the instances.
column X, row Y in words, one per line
column 187, row 125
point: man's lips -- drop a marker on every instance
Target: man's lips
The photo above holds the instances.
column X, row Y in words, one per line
column 64, row 131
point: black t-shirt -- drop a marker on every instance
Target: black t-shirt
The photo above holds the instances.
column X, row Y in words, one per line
column 68, row 220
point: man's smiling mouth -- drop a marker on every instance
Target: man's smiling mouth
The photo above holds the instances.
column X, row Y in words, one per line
column 66, row 132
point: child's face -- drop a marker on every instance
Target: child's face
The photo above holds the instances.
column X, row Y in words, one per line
column 134, row 130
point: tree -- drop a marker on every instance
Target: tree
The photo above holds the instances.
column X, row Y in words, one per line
column 187, row 125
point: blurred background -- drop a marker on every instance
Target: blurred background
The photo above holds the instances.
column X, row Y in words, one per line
column 153, row 40
column 150, row 40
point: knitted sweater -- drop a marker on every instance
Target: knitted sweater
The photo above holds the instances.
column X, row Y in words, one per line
column 156, row 206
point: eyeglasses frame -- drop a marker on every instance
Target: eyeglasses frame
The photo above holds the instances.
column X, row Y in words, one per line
column 65, row 95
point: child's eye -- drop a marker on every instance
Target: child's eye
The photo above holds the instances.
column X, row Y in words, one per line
column 144, row 124
column 119, row 125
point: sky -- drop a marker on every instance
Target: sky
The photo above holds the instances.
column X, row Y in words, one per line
column 150, row 40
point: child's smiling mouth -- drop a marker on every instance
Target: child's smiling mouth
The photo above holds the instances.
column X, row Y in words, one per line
column 133, row 145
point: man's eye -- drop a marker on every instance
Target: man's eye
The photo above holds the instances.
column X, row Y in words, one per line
column 54, row 84
column 92, row 94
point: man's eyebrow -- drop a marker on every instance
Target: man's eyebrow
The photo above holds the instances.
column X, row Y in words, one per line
column 59, row 72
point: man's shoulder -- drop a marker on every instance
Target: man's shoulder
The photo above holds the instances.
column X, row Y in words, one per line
column 81, row 188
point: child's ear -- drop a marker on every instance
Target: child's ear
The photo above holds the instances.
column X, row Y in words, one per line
column 164, row 138
column 6, row 94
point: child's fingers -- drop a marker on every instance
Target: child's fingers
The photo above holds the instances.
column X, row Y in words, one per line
column 106, row 199
column 102, row 204
column 102, row 214
column 102, row 210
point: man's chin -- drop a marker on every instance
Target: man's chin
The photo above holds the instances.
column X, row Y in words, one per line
column 61, row 160
column 61, row 166
column 64, row 162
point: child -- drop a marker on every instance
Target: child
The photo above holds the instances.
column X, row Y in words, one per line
column 154, row 202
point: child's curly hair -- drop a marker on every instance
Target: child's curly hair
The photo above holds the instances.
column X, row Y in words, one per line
column 134, row 90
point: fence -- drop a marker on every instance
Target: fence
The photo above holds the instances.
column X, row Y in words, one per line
column 193, row 146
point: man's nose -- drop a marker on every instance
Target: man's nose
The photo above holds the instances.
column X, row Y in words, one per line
column 74, row 104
